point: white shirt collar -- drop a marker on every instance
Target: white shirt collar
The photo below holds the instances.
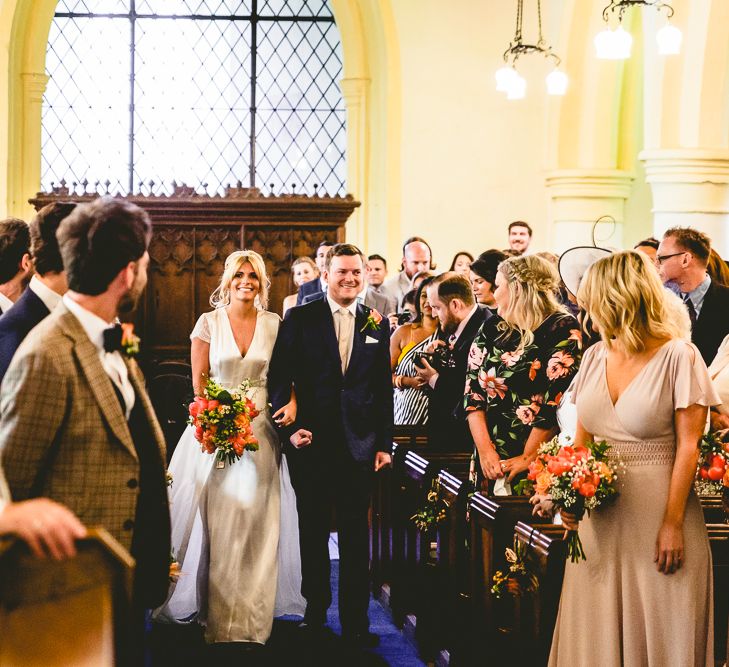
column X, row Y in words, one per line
column 5, row 303
column 464, row 322
column 352, row 307
column 363, row 294
column 92, row 324
column 49, row 298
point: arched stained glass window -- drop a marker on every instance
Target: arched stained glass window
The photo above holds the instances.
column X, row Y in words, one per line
column 206, row 93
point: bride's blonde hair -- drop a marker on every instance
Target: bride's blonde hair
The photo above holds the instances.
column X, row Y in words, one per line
column 625, row 299
column 221, row 294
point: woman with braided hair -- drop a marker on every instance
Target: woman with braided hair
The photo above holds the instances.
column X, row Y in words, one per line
column 519, row 365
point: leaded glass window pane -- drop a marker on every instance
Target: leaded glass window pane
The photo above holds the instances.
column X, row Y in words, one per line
column 137, row 96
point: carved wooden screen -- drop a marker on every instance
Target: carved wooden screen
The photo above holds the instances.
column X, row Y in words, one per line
column 192, row 236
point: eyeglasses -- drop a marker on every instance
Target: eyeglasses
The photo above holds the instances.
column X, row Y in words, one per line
column 662, row 258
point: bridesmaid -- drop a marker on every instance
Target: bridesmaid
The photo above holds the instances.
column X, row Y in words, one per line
column 644, row 596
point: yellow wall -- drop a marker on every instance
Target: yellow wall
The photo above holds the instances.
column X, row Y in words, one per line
column 433, row 150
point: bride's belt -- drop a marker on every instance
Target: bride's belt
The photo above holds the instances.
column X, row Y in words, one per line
column 641, row 452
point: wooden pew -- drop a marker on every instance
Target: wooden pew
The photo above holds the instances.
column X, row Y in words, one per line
column 71, row 612
column 719, row 542
column 492, row 524
column 413, row 475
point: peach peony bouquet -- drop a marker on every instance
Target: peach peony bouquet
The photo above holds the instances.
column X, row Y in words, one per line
column 576, row 479
column 223, row 421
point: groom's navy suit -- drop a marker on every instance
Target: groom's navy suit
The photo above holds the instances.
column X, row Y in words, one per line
column 350, row 418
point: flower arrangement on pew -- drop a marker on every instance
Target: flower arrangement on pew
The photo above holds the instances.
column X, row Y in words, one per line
column 577, row 479
column 712, row 471
column 519, row 579
column 434, row 510
column 223, row 421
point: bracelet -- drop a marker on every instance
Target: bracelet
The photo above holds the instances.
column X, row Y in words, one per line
column 398, row 381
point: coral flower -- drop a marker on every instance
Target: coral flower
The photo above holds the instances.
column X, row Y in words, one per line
column 492, row 385
column 559, row 365
column 535, row 366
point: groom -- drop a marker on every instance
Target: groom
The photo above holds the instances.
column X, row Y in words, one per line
column 335, row 352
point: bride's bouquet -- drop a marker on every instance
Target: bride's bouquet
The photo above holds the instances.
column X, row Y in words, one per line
column 222, row 419
column 577, row 479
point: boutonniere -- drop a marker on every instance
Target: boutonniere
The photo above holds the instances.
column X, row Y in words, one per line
column 373, row 321
column 129, row 340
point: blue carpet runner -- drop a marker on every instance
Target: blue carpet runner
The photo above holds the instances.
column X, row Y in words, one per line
column 183, row 646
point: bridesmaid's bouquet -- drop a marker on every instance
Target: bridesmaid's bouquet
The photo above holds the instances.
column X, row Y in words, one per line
column 222, row 419
column 577, row 479
column 713, row 467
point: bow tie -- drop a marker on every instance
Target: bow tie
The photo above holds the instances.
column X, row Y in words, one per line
column 113, row 338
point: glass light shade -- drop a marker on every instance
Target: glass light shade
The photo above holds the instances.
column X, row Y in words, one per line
column 517, row 88
column 556, row 82
column 603, row 42
column 623, row 44
column 669, row 39
column 504, row 76
column 613, row 44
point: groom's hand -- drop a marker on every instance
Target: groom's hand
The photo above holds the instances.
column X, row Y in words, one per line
column 301, row 438
column 382, row 460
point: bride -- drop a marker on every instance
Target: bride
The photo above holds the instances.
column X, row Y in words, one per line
column 234, row 529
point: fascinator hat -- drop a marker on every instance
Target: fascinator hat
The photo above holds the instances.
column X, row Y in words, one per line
column 573, row 264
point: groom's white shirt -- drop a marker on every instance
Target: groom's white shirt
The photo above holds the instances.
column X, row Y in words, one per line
column 112, row 362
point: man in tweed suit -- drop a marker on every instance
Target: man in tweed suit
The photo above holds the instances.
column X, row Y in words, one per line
column 76, row 424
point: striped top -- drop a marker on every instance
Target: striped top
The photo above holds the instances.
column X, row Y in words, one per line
column 410, row 404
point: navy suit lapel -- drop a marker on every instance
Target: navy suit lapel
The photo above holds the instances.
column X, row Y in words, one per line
column 360, row 336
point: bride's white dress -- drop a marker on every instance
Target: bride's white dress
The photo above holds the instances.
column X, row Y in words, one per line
column 235, row 530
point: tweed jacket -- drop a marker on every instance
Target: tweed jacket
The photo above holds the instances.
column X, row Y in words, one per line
column 62, row 430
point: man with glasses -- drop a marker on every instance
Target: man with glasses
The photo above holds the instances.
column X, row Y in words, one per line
column 682, row 257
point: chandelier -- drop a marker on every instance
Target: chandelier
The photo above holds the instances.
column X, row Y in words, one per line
column 616, row 44
column 508, row 80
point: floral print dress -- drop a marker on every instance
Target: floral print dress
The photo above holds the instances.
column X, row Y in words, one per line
column 521, row 389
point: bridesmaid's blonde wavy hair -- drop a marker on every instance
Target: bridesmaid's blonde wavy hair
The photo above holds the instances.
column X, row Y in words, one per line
column 221, row 295
column 532, row 282
column 625, row 299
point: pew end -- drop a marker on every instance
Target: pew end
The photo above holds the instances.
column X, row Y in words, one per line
column 70, row 612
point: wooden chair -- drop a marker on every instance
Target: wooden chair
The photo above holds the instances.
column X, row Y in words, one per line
column 60, row 613
column 170, row 390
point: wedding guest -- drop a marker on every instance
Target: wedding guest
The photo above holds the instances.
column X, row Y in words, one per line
column 648, row 247
column 97, row 446
column 717, row 269
column 376, row 272
column 315, row 289
column 408, row 305
column 682, row 259
column 719, row 373
column 410, row 400
column 303, row 270
column 46, row 287
column 416, row 257
column 520, row 236
column 482, row 274
column 452, row 303
column 461, row 262
column 16, row 267
column 511, row 403
column 644, row 391
column 336, row 354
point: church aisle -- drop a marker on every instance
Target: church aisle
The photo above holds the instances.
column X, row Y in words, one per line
column 183, row 646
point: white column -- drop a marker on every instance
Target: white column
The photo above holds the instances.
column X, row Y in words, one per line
column 34, row 86
column 354, row 92
column 690, row 189
column 578, row 197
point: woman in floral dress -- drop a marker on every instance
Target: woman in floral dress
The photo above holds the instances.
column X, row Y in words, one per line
column 519, row 365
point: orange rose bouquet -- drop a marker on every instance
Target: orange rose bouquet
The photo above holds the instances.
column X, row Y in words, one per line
column 713, row 467
column 223, row 421
column 577, row 479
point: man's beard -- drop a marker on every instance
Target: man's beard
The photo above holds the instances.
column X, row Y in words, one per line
column 449, row 325
column 129, row 301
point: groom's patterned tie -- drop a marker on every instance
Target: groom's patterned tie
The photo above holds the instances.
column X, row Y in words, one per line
column 345, row 324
